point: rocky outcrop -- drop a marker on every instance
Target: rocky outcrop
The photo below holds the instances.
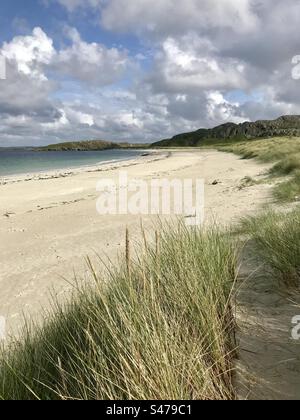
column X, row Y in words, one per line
column 284, row 126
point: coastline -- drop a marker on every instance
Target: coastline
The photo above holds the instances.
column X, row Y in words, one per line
column 49, row 225
column 101, row 167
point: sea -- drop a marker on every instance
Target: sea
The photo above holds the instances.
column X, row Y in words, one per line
column 25, row 161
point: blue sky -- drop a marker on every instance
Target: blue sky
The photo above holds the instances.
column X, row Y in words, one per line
column 138, row 70
column 20, row 17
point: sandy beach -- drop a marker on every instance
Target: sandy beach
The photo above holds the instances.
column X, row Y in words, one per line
column 49, row 223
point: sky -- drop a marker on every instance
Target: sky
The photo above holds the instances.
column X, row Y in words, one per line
column 143, row 70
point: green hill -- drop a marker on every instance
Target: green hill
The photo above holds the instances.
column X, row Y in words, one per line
column 92, row 145
column 283, row 126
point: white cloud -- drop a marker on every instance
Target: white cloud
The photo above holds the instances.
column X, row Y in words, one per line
column 30, row 53
column 189, row 63
column 176, row 17
column 92, row 63
column 193, row 55
column 219, row 109
column 75, row 116
column 29, row 113
column 89, row 62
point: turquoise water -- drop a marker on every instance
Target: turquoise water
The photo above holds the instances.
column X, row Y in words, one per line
column 20, row 161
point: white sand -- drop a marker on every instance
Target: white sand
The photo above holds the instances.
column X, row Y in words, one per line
column 269, row 358
column 49, row 223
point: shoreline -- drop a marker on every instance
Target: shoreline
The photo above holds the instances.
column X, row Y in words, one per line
column 71, row 171
column 49, row 225
column 44, row 247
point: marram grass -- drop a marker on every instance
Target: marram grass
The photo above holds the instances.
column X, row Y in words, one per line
column 284, row 152
column 277, row 242
column 160, row 327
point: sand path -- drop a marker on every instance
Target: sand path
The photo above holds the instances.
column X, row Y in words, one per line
column 269, row 357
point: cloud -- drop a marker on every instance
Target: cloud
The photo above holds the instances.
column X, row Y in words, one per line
column 30, row 53
column 190, row 63
column 199, row 62
column 34, row 56
column 31, row 110
column 205, row 45
column 171, row 17
column 92, row 63
column 72, row 5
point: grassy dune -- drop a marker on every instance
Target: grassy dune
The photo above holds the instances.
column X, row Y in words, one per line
column 284, row 152
column 161, row 327
column 158, row 328
column 277, row 242
column 276, row 235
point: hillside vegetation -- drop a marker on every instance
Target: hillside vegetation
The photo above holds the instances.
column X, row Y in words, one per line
column 283, row 126
column 275, row 141
column 284, row 152
column 92, row 145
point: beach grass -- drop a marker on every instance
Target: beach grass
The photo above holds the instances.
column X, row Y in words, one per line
column 157, row 327
column 276, row 238
column 266, row 150
column 289, row 190
column 287, row 166
column 284, row 152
